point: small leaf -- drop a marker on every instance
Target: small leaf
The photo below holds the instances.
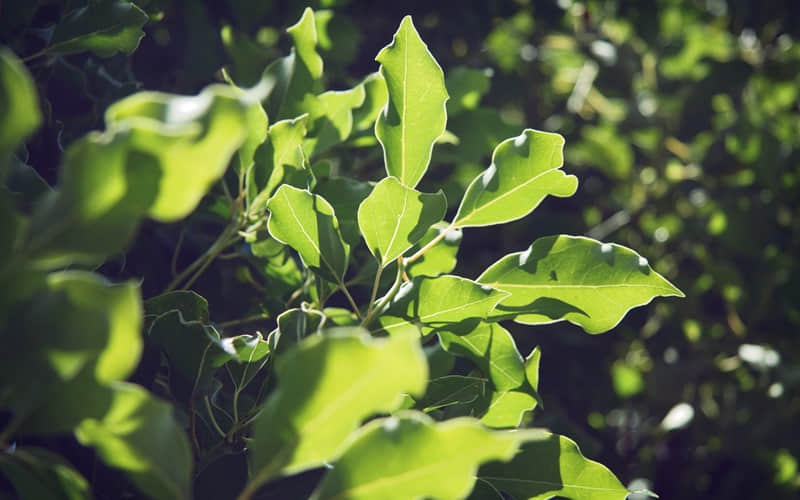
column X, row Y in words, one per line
column 375, row 97
column 394, row 217
column 307, row 223
column 549, row 465
column 439, row 259
column 506, row 409
column 577, row 279
column 104, row 28
column 332, row 116
column 409, row 456
column 414, row 116
column 491, row 347
column 450, row 390
column 275, row 158
column 345, row 195
column 524, row 170
column 39, row 473
column 306, row 67
column 140, row 436
column 192, row 306
column 326, row 387
column 19, row 106
column 294, row 325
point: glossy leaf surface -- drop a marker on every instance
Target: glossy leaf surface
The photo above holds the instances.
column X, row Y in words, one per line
column 394, row 217
column 307, row 223
column 577, row 279
column 524, row 170
column 414, row 116
column 407, row 456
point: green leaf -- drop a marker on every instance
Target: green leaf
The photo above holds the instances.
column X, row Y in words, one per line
column 450, row 390
column 326, row 387
column 414, row 116
column 192, row 306
column 491, row 347
column 575, row 279
column 19, row 106
column 439, row 259
column 408, row 456
column 466, row 86
column 39, row 473
column 332, row 116
column 549, row 465
column 394, row 217
column 294, row 325
column 345, row 195
column 524, row 170
column 104, row 28
column 307, row 223
column 251, row 352
column 375, row 97
column 140, row 436
column 275, row 159
column 507, row 408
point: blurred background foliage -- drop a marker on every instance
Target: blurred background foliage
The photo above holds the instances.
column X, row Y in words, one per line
column 682, row 120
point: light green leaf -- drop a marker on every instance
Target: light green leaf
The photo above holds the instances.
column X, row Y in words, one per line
column 307, row 223
column 306, row 67
column 409, row 457
column 446, row 301
column 332, row 117
column 105, row 28
column 414, row 116
column 39, row 473
column 439, row 259
column 506, row 409
column 304, row 36
column 491, row 347
column 451, row 390
column 524, row 170
column 375, row 99
column 140, row 436
column 345, row 195
column 326, row 387
column 19, row 106
column 532, row 367
column 394, row 217
column 275, row 159
column 549, row 465
column 577, row 279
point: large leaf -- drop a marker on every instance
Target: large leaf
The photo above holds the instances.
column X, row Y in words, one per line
column 577, row 279
column 492, row 348
column 307, row 223
column 104, row 27
column 39, row 473
column 446, row 301
column 549, row 465
column 326, row 387
column 409, row 457
column 394, row 217
column 139, row 435
column 524, row 170
column 19, row 106
column 414, row 116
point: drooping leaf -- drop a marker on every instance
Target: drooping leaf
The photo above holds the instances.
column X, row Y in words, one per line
column 307, row 223
column 576, row 279
column 549, row 465
column 450, row 390
column 414, row 116
column 492, row 348
column 375, row 97
column 507, row 408
column 326, row 387
column 524, row 170
column 104, row 28
column 345, row 195
column 275, row 158
column 39, row 473
column 394, row 217
column 439, row 259
column 445, row 301
column 19, row 106
column 332, row 117
column 409, row 456
column 140, row 436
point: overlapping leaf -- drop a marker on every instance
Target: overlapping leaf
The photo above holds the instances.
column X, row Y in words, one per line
column 394, row 217
column 19, row 106
column 279, row 158
column 104, row 28
column 439, row 259
column 332, row 114
column 524, row 170
column 577, row 279
column 414, row 116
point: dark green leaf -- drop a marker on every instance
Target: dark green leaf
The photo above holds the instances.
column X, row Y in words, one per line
column 104, row 28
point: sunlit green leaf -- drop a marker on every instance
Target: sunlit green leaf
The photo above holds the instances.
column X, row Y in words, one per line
column 326, row 387
column 19, row 106
column 306, row 67
column 408, row 456
column 376, row 95
column 450, row 390
column 549, row 465
column 345, row 195
column 507, row 408
column 140, row 436
column 332, row 116
column 524, row 170
column 577, row 279
column 275, row 159
column 439, row 259
column 414, row 116
column 394, row 217
column 307, row 223
column 104, row 28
